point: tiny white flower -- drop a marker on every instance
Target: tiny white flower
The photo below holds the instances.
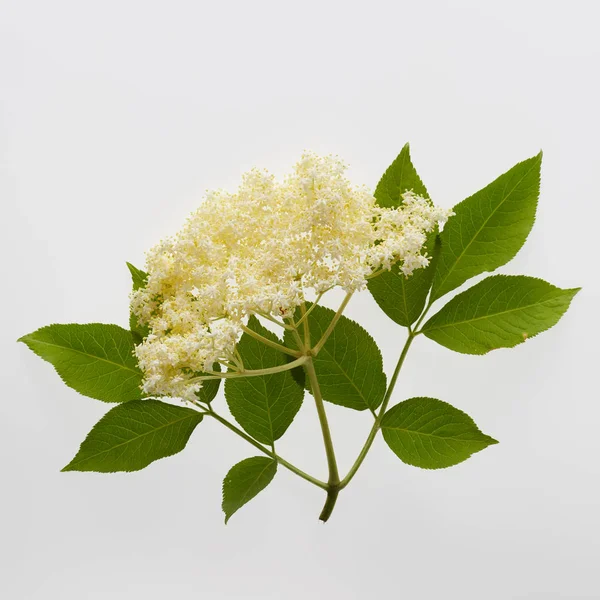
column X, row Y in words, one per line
column 260, row 250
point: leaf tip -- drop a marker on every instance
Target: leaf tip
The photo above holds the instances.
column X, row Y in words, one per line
column 571, row 292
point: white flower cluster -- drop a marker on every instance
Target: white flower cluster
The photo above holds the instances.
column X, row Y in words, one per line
column 258, row 251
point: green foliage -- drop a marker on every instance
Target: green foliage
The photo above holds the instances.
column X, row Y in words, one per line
column 140, row 279
column 95, row 359
column 210, row 387
column 349, row 366
column 431, row 434
column 244, row 481
column 400, row 177
column 132, row 435
column 499, row 312
column 502, row 311
column 264, row 406
column 489, row 227
column 403, row 298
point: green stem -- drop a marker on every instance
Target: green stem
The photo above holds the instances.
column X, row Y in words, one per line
column 238, row 359
column 412, row 333
column 329, row 505
column 273, row 320
column 253, row 372
column 266, row 451
column 305, row 327
column 333, row 482
column 333, row 323
column 269, row 342
column 228, row 365
column 307, row 312
column 422, row 317
column 377, row 424
column 298, row 340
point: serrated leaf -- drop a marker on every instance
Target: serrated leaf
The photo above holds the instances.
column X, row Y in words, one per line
column 132, row 435
column 349, row 367
column 403, row 298
column 431, row 434
column 264, row 406
column 94, row 359
column 244, row 481
column 488, row 228
column 499, row 312
column 399, row 178
column 139, row 279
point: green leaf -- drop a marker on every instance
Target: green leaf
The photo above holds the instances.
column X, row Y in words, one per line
column 488, row 228
column 244, row 481
column 431, row 434
column 94, row 359
column 400, row 177
column 140, row 279
column 349, row 366
column 403, row 298
column 499, row 312
column 264, row 406
column 209, row 388
column 132, row 435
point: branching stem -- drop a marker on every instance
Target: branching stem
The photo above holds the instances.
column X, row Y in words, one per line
column 412, row 333
column 332, row 325
column 210, row 412
column 377, row 424
column 305, row 356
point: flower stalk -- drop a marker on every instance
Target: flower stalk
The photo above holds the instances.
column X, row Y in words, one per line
column 252, row 372
column 332, row 325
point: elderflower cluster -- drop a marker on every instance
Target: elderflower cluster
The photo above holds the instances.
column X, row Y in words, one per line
column 260, row 250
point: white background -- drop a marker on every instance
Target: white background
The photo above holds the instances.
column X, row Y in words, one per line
column 116, row 116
